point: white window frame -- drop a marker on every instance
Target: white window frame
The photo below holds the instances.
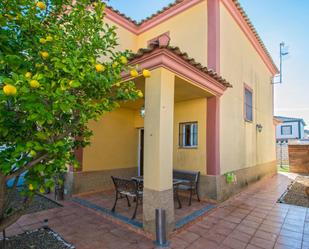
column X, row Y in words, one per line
column 193, row 135
column 283, row 127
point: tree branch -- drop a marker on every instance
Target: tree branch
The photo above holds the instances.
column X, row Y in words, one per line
column 27, row 166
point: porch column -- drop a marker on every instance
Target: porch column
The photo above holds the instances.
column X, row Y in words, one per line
column 213, row 60
column 158, row 148
column 213, row 136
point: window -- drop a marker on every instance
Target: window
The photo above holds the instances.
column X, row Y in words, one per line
column 248, row 104
column 188, row 134
column 286, row 130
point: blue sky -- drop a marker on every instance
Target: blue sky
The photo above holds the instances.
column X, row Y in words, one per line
column 275, row 21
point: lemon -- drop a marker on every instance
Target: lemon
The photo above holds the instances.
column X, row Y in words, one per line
column 42, row 190
column 146, row 73
column 44, row 54
column 32, row 153
column 41, row 5
column 31, row 187
column 28, row 75
column 49, row 38
column 123, row 60
column 34, row 84
column 99, row 68
column 134, row 73
column 9, row 90
column 140, row 94
column 115, row 64
column 42, row 40
column 117, row 84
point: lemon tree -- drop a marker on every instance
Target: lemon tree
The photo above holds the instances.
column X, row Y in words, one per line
column 59, row 68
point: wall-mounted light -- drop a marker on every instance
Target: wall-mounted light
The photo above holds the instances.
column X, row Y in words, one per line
column 142, row 112
column 259, row 127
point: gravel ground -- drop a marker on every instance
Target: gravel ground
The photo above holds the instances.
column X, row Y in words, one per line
column 296, row 192
column 38, row 239
column 39, row 203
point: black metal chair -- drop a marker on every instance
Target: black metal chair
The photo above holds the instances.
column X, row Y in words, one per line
column 127, row 188
column 190, row 182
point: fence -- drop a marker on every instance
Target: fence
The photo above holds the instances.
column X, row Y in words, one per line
column 299, row 158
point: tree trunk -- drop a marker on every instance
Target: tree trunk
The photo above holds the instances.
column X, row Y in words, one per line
column 2, row 195
column 8, row 220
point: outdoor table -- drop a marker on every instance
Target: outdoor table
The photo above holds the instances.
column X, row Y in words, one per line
column 176, row 183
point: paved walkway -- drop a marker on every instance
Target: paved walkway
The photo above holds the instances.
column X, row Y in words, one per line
column 251, row 219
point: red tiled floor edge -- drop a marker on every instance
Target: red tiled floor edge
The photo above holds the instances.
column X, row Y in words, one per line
column 119, row 222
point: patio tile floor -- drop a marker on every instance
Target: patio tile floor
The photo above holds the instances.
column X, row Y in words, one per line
column 252, row 219
column 106, row 199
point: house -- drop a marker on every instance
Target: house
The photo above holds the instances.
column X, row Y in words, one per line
column 306, row 134
column 290, row 129
column 208, row 106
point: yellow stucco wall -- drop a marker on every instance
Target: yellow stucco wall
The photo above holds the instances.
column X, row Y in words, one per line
column 126, row 39
column 187, row 159
column 138, row 120
column 191, row 159
column 188, row 31
column 114, row 143
column 192, row 23
column 241, row 145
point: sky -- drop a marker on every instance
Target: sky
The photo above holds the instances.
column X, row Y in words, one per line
column 275, row 21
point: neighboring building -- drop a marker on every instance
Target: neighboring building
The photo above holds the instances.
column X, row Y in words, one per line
column 306, row 134
column 208, row 106
column 290, row 129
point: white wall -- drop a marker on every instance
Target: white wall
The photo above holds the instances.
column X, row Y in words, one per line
column 302, row 131
column 295, row 132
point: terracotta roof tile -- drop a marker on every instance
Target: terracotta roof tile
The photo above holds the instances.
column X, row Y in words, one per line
column 176, row 50
column 237, row 4
column 161, row 11
column 122, row 14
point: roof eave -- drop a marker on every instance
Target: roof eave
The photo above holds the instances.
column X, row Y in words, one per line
column 165, row 57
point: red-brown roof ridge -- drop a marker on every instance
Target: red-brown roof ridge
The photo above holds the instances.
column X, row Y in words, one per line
column 183, row 55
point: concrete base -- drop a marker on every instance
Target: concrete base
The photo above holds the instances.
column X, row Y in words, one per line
column 216, row 187
column 211, row 187
column 152, row 200
column 83, row 182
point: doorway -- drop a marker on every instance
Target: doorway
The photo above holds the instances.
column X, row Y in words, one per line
column 141, row 152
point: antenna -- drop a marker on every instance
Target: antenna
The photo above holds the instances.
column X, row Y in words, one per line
column 283, row 52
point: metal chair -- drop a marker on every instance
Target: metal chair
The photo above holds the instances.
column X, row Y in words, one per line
column 127, row 188
column 190, row 182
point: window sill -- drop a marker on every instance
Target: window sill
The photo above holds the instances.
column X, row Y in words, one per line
column 187, row 147
column 249, row 121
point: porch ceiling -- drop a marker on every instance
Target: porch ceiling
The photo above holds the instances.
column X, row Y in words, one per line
column 183, row 91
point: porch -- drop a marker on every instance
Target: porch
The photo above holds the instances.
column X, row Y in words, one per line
column 175, row 126
column 103, row 202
